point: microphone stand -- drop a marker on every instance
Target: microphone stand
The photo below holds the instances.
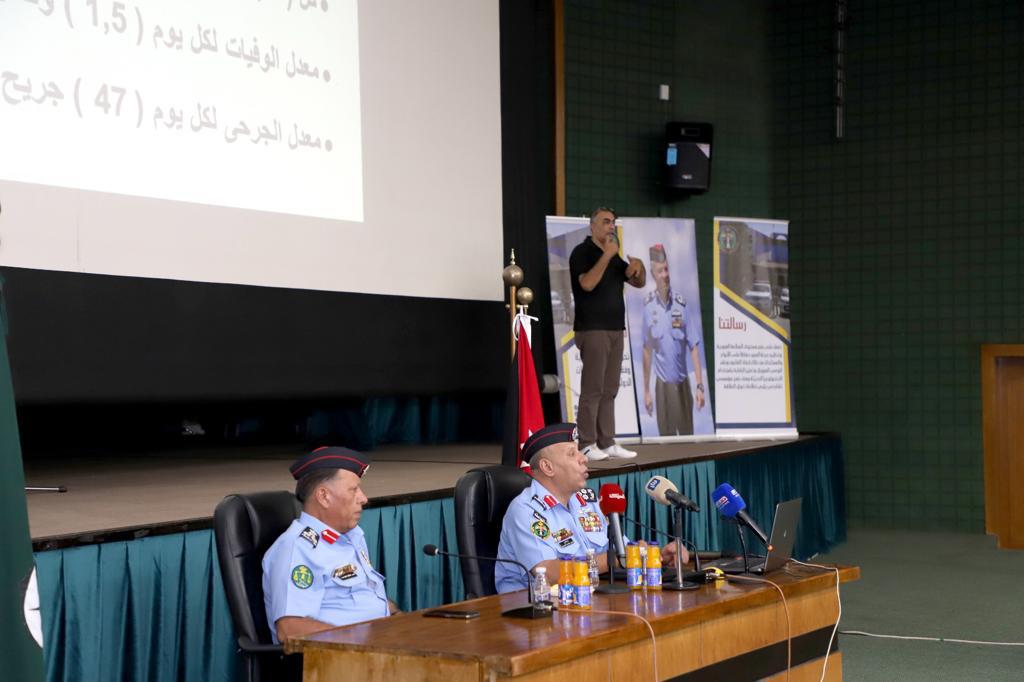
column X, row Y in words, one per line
column 610, row 587
column 743, row 544
column 679, row 585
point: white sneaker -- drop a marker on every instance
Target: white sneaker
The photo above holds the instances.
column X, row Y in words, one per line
column 619, row 452
column 595, row 453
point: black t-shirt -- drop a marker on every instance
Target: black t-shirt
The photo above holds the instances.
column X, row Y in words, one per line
column 604, row 307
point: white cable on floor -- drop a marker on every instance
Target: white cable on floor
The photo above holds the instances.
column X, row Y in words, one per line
column 654, row 641
column 789, row 627
column 929, row 639
column 839, row 615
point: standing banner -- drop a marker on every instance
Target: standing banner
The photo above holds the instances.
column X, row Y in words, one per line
column 20, row 628
column 666, row 336
column 753, row 375
column 564, row 234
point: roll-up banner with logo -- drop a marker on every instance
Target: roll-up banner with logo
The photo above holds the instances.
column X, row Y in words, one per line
column 753, row 369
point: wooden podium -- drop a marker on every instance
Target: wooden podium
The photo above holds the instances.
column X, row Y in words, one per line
column 734, row 631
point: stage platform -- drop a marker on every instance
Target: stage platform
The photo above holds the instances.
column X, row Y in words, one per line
column 125, row 497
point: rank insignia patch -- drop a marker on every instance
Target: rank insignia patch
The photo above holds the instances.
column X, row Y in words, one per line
column 302, row 577
column 310, row 535
column 346, row 572
column 541, row 530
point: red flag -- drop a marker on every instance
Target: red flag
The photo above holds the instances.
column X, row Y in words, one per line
column 524, row 415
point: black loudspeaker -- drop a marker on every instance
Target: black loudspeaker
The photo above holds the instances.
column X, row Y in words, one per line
column 687, row 157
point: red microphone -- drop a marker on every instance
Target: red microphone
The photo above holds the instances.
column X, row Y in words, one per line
column 613, row 503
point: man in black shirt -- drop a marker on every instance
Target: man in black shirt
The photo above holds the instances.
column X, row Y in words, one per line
column 597, row 274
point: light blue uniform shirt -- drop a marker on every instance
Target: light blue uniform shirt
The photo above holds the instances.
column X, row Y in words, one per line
column 537, row 527
column 312, row 571
column 670, row 334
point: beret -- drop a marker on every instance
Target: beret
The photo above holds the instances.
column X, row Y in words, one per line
column 330, row 458
column 549, row 435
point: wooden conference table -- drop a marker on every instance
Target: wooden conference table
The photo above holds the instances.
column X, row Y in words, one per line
column 735, row 631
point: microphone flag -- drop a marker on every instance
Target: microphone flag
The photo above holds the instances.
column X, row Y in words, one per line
column 523, row 413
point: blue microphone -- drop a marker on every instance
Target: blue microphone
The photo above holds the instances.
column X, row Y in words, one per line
column 731, row 505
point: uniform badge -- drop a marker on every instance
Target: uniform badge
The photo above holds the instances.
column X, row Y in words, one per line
column 539, row 502
column 540, row 517
column 586, row 495
column 680, row 300
column 563, row 537
column 587, row 524
column 550, row 501
column 302, row 577
column 677, row 320
column 329, row 536
column 346, row 572
column 310, row 535
column 595, row 520
column 366, row 557
column 541, row 530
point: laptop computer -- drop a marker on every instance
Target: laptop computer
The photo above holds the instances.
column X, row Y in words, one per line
column 780, row 544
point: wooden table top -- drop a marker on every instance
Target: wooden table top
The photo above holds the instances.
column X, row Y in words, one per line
column 515, row 646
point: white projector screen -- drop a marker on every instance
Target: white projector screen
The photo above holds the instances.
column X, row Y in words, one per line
column 316, row 144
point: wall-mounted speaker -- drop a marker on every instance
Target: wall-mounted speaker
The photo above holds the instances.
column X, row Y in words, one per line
column 687, row 159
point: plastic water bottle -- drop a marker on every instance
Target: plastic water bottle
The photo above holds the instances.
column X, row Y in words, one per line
column 594, row 570
column 541, row 588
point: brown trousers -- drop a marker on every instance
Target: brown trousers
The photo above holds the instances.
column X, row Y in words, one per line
column 601, row 354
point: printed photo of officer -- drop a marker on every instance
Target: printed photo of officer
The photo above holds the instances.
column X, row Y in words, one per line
column 669, row 336
column 666, row 338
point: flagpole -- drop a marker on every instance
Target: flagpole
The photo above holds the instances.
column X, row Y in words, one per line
column 512, row 275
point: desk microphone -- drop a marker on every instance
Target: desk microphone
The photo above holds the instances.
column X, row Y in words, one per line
column 665, row 492
column 531, row 611
column 613, row 504
column 732, row 506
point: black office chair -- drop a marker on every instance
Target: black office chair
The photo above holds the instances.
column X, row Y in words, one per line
column 481, row 498
column 245, row 526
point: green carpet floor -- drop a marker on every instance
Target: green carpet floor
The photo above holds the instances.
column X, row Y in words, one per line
column 931, row 585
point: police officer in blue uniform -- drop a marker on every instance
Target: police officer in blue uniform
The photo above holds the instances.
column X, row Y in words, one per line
column 318, row 574
column 669, row 334
column 556, row 515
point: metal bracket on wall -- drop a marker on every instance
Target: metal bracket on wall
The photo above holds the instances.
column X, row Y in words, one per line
column 840, row 100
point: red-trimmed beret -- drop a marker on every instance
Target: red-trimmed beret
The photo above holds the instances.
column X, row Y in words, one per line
column 549, row 435
column 330, row 458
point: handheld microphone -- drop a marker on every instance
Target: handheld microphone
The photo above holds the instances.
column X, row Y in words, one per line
column 731, row 505
column 664, row 491
column 613, row 504
column 531, row 611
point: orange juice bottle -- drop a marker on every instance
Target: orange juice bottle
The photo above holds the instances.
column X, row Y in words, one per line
column 582, row 583
column 634, row 569
column 653, row 575
column 566, row 583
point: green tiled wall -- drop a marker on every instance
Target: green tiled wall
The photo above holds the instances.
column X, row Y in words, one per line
column 617, row 54
column 907, row 244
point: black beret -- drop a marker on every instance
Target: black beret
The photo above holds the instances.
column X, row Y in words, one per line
column 549, row 435
column 330, row 458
